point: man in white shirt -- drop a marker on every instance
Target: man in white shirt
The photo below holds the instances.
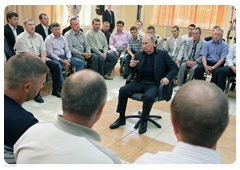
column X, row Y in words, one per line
column 197, row 128
column 189, row 36
column 139, row 25
column 70, row 139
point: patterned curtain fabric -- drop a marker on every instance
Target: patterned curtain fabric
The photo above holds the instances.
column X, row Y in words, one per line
column 204, row 16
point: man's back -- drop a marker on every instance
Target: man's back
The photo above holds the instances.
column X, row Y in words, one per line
column 62, row 142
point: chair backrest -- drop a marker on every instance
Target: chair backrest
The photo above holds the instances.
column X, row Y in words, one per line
column 9, row 155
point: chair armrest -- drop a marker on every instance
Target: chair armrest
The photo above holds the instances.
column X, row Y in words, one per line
column 130, row 78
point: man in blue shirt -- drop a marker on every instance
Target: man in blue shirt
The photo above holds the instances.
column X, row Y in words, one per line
column 230, row 69
column 213, row 56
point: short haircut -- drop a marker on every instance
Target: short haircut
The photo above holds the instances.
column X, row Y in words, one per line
column 215, row 26
column 54, row 24
column 106, row 22
column 191, row 25
column 200, row 110
column 26, row 20
column 133, row 28
column 40, row 16
column 11, row 14
column 219, row 29
column 152, row 38
column 83, row 97
column 23, row 68
column 120, row 22
column 198, row 28
column 95, row 19
column 73, row 19
column 177, row 28
column 151, row 28
column 140, row 22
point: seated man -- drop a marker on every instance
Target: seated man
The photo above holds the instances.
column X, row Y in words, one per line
column 197, row 128
column 134, row 44
column 31, row 43
column 43, row 28
column 57, row 49
column 12, row 30
column 8, row 53
column 175, row 46
column 191, row 57
column 79, row 47
column 230, row 69
column 189, row 35
column 158, row 40
column 147, row 81
column 118, row 42
column 98, row 43
column 213, row 54
column 70, row 139
column 105, row 30
column 22, row 82
column 211, row 37
column 139, row 25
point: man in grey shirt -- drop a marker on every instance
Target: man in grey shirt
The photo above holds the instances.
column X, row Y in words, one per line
column 79, row 47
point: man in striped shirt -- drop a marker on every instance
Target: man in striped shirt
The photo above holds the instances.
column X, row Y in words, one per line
column 197, row 128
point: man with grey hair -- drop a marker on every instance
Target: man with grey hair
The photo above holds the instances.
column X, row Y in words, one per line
column 199, row 115
column 152, row 67
column 23, row 78
column 191, row 56
column 57, row 49
column 70, row 139
column 213, row 54
column 31, row 43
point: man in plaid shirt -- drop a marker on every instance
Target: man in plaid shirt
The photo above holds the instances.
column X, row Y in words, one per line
column 134, row 44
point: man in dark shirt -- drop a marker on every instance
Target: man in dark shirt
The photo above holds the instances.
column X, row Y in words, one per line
column 153, row 67
column 23, row 78
column 105, row 29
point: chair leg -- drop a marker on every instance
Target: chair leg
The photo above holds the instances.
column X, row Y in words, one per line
column 137, row 124
column 227, row 85
column 155, row 123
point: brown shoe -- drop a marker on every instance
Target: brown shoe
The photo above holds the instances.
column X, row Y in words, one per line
column 107, row 76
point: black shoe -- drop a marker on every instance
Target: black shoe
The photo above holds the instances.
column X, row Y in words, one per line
column 56, row 93
column 38, row 99
column 125, row 76
column 118, row 123
column 143, row 127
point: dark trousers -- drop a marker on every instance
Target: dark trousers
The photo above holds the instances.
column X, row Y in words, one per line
column 150, row 92
column 199, row 71
column 222, row 75
column 55, row 71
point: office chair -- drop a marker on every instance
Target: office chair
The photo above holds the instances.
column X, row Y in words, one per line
column 231, row 79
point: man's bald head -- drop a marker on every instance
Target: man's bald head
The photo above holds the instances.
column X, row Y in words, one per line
column 200, row 110
column 83, row 93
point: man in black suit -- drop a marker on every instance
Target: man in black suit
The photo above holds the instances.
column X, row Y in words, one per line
column 12, row 29
column 152, row 67
column 43, row 28
column 108, row 15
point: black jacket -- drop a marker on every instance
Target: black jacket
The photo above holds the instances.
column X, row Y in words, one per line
column 164, row 66
column 107, row 17
column 39, row 29
column 10, row 37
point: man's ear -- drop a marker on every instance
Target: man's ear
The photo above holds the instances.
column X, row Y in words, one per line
column 99, row 112
column 26, row 87
column 175, row 127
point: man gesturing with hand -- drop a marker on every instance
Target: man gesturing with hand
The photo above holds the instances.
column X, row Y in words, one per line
column 152, row 67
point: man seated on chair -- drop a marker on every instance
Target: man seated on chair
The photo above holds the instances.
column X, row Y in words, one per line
column 191, row 56
column 118, row 42
column 79, row 47
column 98, row 43
column 199, row 116
column 134, row 44
column 189, row 35
column 175, row 46
column 24, row 76
column 211, row 37
column 158, row 40
column 31, row 43
column 105, row 30
column 43, row 28
column 57, row 49
column 213, row 54
column 152, row 67
column 230, row 69
column 70, row 139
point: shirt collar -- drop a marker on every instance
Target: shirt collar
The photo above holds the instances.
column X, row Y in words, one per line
column 76, row 129
column 28, row 35
column 73, row 32
column 44, row 27
column 12, row 27
column 154, row 52
column 219, row 42
column 200, row 153
column 138, row 37
column 53, row 36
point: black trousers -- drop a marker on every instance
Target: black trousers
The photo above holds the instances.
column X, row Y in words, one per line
column 54, row 69
column 199, row 71
column 222, row 75
column 150, row 92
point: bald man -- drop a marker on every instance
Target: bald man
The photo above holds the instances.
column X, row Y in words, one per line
column 199, row 115
column 70, row 139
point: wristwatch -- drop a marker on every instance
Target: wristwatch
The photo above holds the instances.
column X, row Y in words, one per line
column 213, row 67
column 44, row 58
